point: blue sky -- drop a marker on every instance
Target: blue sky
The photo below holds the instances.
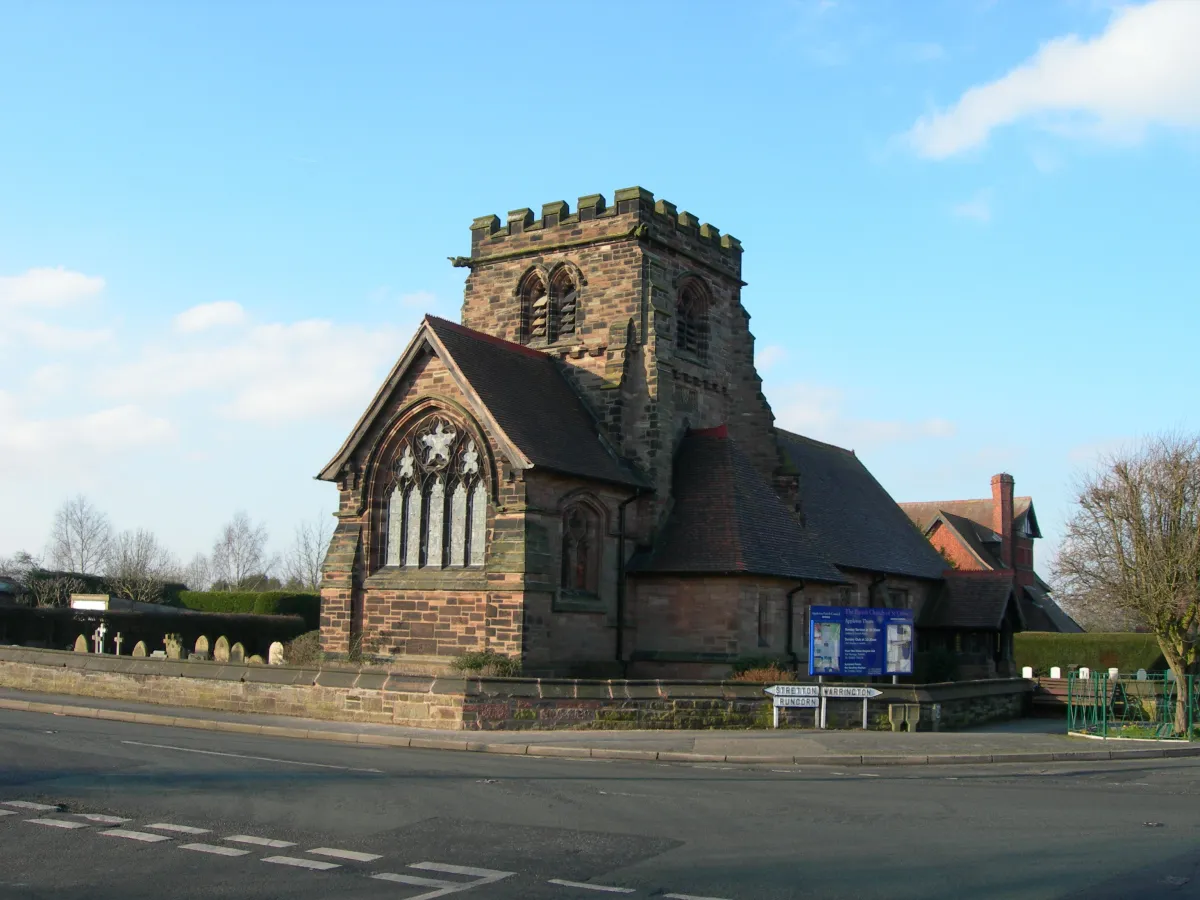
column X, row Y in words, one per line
column 969, row 226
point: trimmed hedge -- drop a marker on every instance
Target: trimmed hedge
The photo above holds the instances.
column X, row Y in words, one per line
column 1098, row 651
column 259, row 603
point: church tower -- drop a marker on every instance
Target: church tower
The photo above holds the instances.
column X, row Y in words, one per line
column 642, row 305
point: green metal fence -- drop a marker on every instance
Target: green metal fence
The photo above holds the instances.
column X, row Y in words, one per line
column 1131, row 706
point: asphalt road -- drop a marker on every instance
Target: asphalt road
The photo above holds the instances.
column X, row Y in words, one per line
column 195, row 809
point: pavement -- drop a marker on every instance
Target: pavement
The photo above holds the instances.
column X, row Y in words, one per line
column 101, row 808
column 1024, row 740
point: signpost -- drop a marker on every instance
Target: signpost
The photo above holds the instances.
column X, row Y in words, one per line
column 813, row 696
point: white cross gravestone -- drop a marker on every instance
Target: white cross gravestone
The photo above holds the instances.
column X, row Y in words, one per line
column 98, row 637
column 1141, row 674
column 1085, row 673
column 1113, row 674
column 118, row 641
column 1055, row 672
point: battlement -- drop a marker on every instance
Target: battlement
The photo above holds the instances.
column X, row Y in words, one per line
column 634, row 204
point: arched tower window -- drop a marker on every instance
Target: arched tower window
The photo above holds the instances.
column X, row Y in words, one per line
column 582, row 540
column 535, row 307
column 564, row 304
column 691, row 321
column 437, row 501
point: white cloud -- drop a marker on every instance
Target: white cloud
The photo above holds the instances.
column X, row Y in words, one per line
column 116, row 428
column 274, row 372
column 978, row 208
column 46, row 336
column 1143, row 70
column 48, row 288
column 769, row 356
column 209, row 315
column 818, row 411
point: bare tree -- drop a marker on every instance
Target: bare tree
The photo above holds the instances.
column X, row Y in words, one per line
column 304, row 560
column 18, row 566
column 239, row 556
column 53, row 588
column 79, row 537
column 138, row 566
column 197, row 575
column 1134, row 542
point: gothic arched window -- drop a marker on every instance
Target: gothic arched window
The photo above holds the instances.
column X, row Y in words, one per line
column 564, row 304
column 691, row 321
column 581, row 549
column 535, row 307
column 437, row 503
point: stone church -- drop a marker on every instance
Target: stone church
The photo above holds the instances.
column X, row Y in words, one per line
column 586, row 476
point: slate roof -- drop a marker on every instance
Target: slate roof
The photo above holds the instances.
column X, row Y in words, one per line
column 727, row 519
column 530, row 398
column 525, row 393
column 859, row 524
column 978, row 511
column 971, row 601
column 1043, row 614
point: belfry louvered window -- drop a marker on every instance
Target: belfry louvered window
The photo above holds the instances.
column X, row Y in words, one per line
column 564, row 304
column 691, row 321
column 535, row 308
column 437, row 502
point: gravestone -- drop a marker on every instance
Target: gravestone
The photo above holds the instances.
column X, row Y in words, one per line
column 237, row 653
column 139, row 649
column 255, row 660
column 1113, row 674
column 81, row 644
column 221, row 649
column 1170, row 675
column 158, row 654
column 1085, row 673
column 275, row 654
column 201, row 651
column 1055, row 672
column 1141, row 674
column 174, row 646
column 1027, row 672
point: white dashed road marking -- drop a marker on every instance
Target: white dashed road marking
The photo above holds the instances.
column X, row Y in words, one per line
column 214, row 849
column 142, row 836
column 607, row 888
column 8, row 812
column 415, row 880
column 352, row 855
column 25, row 804
column 58, row 823
column 181, row 829
column 689, row 897
column 290, row 762
column 260, row 842
column 460, row 870
column 102, row 819
column 301, row 863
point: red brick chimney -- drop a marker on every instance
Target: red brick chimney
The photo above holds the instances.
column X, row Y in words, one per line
column 1002, row 515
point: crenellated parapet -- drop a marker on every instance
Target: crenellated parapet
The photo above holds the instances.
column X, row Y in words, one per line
column 633, row 213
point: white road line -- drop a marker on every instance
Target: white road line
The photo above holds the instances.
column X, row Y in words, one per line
column 290, row 762
column 352, row 855
column 180, row 829
column 25, row 804
column 58, row 823
column 301, row 863
column 460, row 870
column 8, row 812
column 258, row 841
column 214, row 849
column 689, row 897
column 413, row 880
column 102, row 819
column 142, row 836
column 592, row 887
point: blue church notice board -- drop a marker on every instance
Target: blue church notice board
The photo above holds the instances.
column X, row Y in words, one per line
column 853, row 640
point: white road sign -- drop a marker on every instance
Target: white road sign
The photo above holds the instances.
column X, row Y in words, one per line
column 798, row 702
column 794, row 690
column 857, row 693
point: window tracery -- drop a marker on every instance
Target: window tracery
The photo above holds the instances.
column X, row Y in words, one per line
column 437, row 502
column 581, row 549
column 564, row 299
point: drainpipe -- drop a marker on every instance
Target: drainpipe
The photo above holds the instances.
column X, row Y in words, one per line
column 791, row 629
column 621, row 575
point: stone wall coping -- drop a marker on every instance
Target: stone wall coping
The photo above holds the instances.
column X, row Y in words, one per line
column 473, row 685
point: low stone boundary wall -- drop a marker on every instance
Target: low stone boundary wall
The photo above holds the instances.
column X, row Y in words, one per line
column 473, row 703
